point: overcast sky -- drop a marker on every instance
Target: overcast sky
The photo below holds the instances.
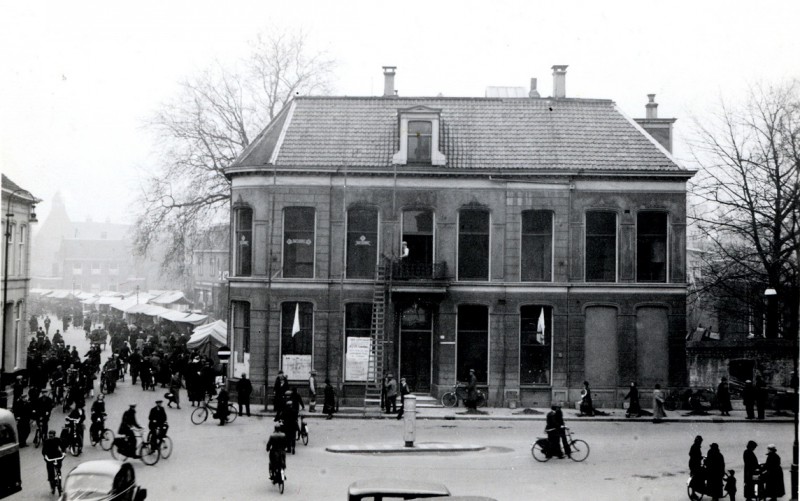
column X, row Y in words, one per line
column 78, row 79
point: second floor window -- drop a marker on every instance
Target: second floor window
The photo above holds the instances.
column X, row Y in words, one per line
column 601, row 246
column 21, row 251
column 651, row 246
column 362, row 242
column 537, row 246
column 298, row 242
column 244, row 242
column 419, row 142
column 473, row 244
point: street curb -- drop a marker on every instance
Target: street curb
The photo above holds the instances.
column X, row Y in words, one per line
column 399, row 449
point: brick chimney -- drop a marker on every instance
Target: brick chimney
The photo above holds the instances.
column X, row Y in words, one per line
column 388, row 81
column 659, row 128
column 533, row 92
column 560, row 81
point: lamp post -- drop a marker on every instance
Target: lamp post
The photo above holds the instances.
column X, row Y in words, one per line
column 7, row 237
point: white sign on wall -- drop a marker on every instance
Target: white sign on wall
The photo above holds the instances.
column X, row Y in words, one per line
column 357, row 359
column 296, row 366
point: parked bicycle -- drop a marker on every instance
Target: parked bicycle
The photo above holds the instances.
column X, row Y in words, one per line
column 302, row 431
column 55, row 483
column 142, row 450
column 200, row 415
column 459, row 393
column 578, row 449
column 160, row 441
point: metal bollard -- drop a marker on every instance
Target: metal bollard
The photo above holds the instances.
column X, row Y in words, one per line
column 409, row 419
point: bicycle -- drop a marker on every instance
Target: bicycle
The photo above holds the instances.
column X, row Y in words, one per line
column 105, row 437
column 578, row 449
column 200, row 414
column 459, row 393
column 74, row 443
column 162, row 442
column 695, row 489
column 277, row 473
column 142, row 450
column 302, row 432
column 41, row 431
column 55, row 483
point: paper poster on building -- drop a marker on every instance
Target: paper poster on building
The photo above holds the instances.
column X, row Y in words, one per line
column 357, row 358
column 239, row 368
column 296, row 366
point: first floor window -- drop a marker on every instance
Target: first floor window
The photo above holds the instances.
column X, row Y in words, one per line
column 240, row 313
column 473, row 244
column 535, row 342
column 297, row 336
column 472, row 342
column 601, row 246
column 537, row 246
column 651, row 246
column 357, row 322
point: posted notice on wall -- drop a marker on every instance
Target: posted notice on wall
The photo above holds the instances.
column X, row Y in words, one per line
column 296, row 366
column 357, row 358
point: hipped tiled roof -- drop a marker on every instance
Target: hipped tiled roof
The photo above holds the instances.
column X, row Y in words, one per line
column 476, row 134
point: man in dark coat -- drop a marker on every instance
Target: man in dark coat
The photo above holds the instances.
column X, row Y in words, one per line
column 472, row 391
column 276, row 447
column 278, row 390
column 635, row 408
column 751, row 470
column 749, row 398
column 243, row 391
column 761, row 396
column 773, row 474
column 135, row 362
column 127, row 426
column 715, row 472
column 696, row 463
column 724, row 397
column 329, row 400
column 157, row 422
column 554, row 425
column 222, row 406
column 23, row 413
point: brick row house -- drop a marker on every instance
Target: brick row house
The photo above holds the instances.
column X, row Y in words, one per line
column 539, row 241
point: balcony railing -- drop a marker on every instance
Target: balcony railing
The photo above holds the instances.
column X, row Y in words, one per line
column 419, row 271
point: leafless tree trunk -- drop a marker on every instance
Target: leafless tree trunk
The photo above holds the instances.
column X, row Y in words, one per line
column 204, row 128
column 750, row 186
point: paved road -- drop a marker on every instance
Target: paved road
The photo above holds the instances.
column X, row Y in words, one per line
column 627, row 461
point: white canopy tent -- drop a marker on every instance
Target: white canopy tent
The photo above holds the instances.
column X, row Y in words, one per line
column 207, row 339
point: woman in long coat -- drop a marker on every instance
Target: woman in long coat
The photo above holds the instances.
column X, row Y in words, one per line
column 724, row 397
column 658, row 404
column 715, row 471
column 634, row 409
column 773, row 474
column 329, row 402
column 750, row 470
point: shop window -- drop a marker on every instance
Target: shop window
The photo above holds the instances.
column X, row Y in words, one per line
column 651, row 247
column 537, row 246
column 297, row 336
column 362, row 242
column 601, row 246
column 298, row 242
column 244, row 242
column 535, row 340
column 240, row 313
column 473, row 244
column 357, row 321
column 472, row 342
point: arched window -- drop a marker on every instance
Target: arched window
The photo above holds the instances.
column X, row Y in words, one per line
column 601, row 246
column 651, row 246
column 536, row 255
column 473, row 244
column 535, row 344
column 362, row 242
column 298, row 242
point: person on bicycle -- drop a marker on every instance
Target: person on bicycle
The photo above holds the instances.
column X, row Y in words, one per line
column 52, row 450
column 127, row 426
column 43, row 407
column 158, row 423
column 98, row 419
column 276, row 447
column 77, row 417
column 555, row 430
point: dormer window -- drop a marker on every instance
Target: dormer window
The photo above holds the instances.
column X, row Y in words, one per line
column 419, row 142
column 419, row 137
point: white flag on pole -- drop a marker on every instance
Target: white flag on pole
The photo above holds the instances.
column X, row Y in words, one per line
column 296, row 324
column 540, row 328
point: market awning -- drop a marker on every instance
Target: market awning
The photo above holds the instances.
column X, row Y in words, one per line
column 170, row 297
column 109, row 300
column 183, row 316
column 215, row 333
column 60, row 294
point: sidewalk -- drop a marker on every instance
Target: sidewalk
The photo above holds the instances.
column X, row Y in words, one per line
column 504, row 414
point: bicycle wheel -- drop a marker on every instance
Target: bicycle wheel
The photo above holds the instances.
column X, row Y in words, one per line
column 304, row 438
column 116, row 454
column 107, row 440
column 539, row 451
column 199, row 415
column 149, row 455
column 58, row 483
column 578, row 450
column 166, row 447
column 449, row 399
column 281, row 481
column 37, row 439
column 74, row 449
column 481, row 401
column 695, row 495
column 232, row 413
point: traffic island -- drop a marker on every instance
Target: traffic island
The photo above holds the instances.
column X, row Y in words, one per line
column 431, row 447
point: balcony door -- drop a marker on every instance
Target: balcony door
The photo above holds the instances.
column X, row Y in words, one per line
column 418, row 237
column 416, row 334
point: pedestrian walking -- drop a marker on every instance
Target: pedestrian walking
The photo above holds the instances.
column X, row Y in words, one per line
column 391, row 395
column 586, row 406
column 634, row 408
column 279, row 389
column 222, row 406
column 696, row 464
column 243, row 391
column 312, row 391
column 472, row 392
column 404, row 390
column 761, row 397
column 749, row 398
column 715, row 472
column 47, row 325
column 751, row 471
column 23, row 412
column 658, row 404
column 175, row 386
column 329, row 400
column 773, row 475
column 724, row 397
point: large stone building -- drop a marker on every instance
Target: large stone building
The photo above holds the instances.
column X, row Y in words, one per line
column 539, row 241
column 18, row 216
column 210, row 265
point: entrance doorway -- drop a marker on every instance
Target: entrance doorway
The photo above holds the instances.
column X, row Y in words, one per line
column 416, row 334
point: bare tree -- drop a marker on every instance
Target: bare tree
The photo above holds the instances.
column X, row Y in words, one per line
column 750, row 186
column 205, row 127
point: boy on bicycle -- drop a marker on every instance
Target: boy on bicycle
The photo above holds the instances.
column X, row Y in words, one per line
column 276, row 446
column 158, row 424
column 52, row 450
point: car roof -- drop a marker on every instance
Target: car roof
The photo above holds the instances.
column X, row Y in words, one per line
column 396, row 486
column 108, row 467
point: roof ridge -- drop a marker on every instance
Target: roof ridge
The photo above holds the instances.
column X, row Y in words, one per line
column 455, row 98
